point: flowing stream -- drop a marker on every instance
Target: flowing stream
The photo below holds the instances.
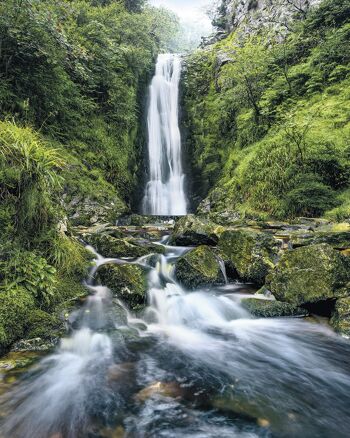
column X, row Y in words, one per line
column 192, row 364
column 164, row 193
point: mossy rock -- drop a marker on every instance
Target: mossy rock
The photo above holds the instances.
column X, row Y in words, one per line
column 44, row 325
column 341, row 316
column 198, row 267
column 271, row 308
column 252, row 253
column 310, row 274
column 16, row 306
column 127, row 282
column 338, row 239
column 191, row 230
column 110, row 246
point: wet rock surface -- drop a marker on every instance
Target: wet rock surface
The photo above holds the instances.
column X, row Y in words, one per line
column 199, row 267
column 252, row 253
column 271, row 308
column 127, row 282
column 310, row 274
column 340, row 320
column 192, row 230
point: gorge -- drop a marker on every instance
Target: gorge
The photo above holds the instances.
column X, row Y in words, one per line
column 175, row 227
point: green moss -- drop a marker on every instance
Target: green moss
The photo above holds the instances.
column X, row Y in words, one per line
column 193, row 230
column 198, row 267
column 341, row 316
column 271, row 308
column 310, row 274
column 44, row 325
column 127, row 282
column 15, row 308
column 252, row 253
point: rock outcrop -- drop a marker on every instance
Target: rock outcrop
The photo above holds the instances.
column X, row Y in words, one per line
column 127, row 282
column 252, row 253
column 199, row 267
column 310, row 274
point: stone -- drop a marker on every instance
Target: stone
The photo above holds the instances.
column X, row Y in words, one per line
column 110, row 246
column 310, row 274
column 340, row 320
column 192, row 230
column 252, row 253
column 163, row 389
column 127, row 282
column 271, row 308
column 337, row 239
column 198, row 267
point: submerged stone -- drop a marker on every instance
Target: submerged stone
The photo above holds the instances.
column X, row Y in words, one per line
column 191, row 230
column 252, row 253
column 198, row 267
column 162, row 389
column 340, row 320
column 127, row 282
column 271, row 308
column 310, row 274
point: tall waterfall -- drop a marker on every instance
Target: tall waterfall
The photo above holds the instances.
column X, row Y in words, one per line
column 164, row 193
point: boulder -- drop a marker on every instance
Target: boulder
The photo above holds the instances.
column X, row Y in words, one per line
column 110, row 246
column 252, row 253
column 198, row 267
column 310, row 274
column 271, row 308
column 336, row 239
column 341, row 316
column 127, row 282
column 192, row 231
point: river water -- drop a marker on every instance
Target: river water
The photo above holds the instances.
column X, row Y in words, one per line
column 192, row 364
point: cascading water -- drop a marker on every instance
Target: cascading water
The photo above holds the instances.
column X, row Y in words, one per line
column 164, row 193
column 193, row 364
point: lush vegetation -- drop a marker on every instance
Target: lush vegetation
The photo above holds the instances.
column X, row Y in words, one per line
column 268, row 118
column 73, row 75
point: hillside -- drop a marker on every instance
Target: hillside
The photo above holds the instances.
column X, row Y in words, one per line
column 267, row 113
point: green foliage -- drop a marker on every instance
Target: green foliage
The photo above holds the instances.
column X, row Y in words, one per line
column 271, row 115
column 15, row 307
column 29, row 178
column 27, row 270
column 73, row 75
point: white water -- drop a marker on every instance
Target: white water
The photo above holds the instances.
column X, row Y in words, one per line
column 292, row 373
column 164, row 193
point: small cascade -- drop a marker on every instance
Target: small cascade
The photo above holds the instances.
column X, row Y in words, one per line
column 223, row 269
column 164, row 193
column 202, row 349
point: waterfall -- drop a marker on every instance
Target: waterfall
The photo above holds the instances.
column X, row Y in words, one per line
column 164, row 193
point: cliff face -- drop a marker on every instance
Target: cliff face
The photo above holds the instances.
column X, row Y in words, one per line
column 248, row 15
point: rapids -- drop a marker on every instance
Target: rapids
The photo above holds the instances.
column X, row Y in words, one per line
column 192, row 364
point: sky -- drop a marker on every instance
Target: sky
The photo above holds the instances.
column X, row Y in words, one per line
column 189, row 11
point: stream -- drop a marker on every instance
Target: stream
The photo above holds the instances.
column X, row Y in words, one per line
column 192, row 364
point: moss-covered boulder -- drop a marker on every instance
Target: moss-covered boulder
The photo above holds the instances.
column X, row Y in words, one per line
column 336, row 239
column 341, row 316
column 127, row 282
column 191, row 230
column 198, row 267
column 110, row 246
column 310, row 274
column 16, row 306
column 252, row 253
column 271, row 308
